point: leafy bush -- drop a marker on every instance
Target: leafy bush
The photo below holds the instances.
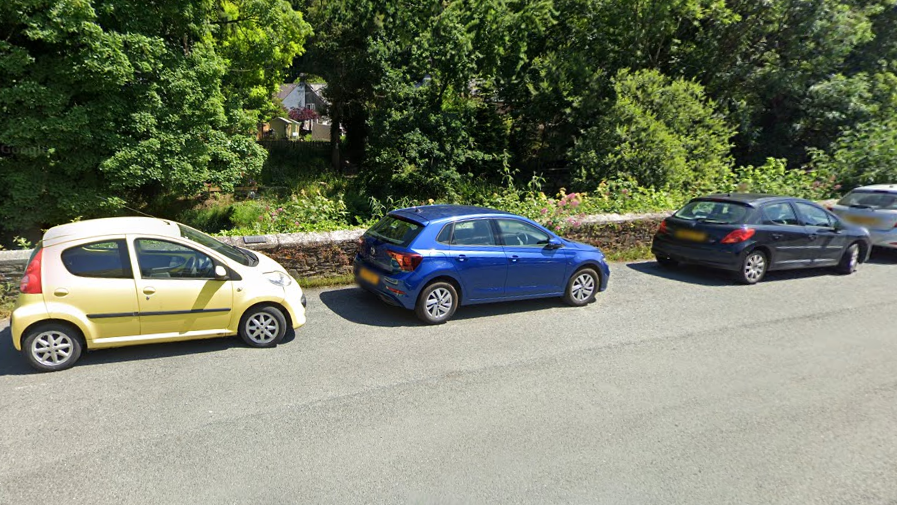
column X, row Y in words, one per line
column 865, row 155
column 212, row 219
column 773, row 177
column 624, row 195
column 304, row 211
column 663, row 133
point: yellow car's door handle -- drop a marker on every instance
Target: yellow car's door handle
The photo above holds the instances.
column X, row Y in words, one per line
column 60, row 292
column 149, row 290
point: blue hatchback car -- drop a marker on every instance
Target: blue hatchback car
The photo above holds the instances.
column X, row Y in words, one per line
column 434, row 258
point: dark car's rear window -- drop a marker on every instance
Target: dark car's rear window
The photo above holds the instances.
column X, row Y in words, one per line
column 395, row 230
column 713, row 212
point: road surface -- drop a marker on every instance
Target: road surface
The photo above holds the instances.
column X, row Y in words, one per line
column 674, row 387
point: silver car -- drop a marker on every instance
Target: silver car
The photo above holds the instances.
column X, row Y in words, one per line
column 875, row 208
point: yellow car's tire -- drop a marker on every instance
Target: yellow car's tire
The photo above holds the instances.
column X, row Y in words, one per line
column 263, row 326
column 51, row 347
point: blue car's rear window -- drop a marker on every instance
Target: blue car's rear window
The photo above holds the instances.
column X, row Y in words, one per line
column 395, row 230
column 707, row 211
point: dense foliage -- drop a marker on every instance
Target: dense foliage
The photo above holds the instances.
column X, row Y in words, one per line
column 665, row 91
column 634, row 104
column 108, row 103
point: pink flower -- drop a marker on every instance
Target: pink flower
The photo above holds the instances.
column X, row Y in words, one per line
column 837, row 186
column 544, row 211
column 624, row 191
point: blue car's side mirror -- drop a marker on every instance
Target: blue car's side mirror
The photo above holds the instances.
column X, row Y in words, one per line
column 554, row 243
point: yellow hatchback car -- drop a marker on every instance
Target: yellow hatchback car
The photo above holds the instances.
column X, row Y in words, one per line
column 135, row 280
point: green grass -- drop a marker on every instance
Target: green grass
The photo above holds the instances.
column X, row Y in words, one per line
column 8, row 293
column 324, row 282
column 642, row 252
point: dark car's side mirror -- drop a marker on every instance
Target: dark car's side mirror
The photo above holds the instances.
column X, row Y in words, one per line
column 554, row 243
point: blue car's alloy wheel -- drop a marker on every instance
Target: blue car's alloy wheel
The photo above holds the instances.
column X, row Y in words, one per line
column 582, row 287
column 437, row 303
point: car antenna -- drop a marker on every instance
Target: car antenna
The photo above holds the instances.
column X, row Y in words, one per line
column 139, row 212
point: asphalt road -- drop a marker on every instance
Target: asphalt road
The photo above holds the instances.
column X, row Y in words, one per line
column 673, row 388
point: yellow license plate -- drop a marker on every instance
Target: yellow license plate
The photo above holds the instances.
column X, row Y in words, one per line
column 862, row 220
column 692, row 235
column 368, row 276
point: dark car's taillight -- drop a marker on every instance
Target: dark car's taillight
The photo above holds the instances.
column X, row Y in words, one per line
column 663, row 227
column 739, row 235
column 406, row 262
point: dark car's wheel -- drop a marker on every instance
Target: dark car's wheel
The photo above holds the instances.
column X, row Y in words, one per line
column 437, row 303
column 753, row 268
column 666, row 262
column 51, row 347
column 581, row 287
column 263, row 326
column 850, row 260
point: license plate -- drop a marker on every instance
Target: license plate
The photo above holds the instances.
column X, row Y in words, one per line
column 368, row 276
column 862, row 220
column 692, row 235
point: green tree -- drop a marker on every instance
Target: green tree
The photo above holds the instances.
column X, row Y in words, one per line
column 108, row 102
column 785, row 71
column 864, row 154
column 662, row 132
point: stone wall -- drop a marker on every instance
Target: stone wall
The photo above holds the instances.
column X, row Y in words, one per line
column 330, row 254
column 12, row 266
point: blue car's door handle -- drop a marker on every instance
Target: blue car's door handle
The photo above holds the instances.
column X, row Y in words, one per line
column 462, row 257
column 514, row 259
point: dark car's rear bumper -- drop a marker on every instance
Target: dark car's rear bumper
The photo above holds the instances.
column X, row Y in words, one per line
column 722, row 256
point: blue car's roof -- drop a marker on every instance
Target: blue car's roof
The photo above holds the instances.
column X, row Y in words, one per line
column 435, row 213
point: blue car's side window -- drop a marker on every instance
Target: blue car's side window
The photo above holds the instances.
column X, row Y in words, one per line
column 445, row 236
column 476, row 232
column 518, row 233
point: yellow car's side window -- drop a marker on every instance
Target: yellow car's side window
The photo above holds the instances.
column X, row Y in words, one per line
column 161, row 259
column 106, row 260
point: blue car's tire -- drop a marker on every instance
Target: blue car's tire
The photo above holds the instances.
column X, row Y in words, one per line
column 437, row 303
column 582, row 287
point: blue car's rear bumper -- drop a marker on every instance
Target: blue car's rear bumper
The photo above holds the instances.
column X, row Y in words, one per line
column 400, row 290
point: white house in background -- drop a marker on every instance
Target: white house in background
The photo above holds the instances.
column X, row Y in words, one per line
column 299, row 96
column 303, row 96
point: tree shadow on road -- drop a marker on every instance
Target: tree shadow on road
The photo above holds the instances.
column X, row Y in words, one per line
column 704, row 276
column 362, row 307
column 12, row 362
